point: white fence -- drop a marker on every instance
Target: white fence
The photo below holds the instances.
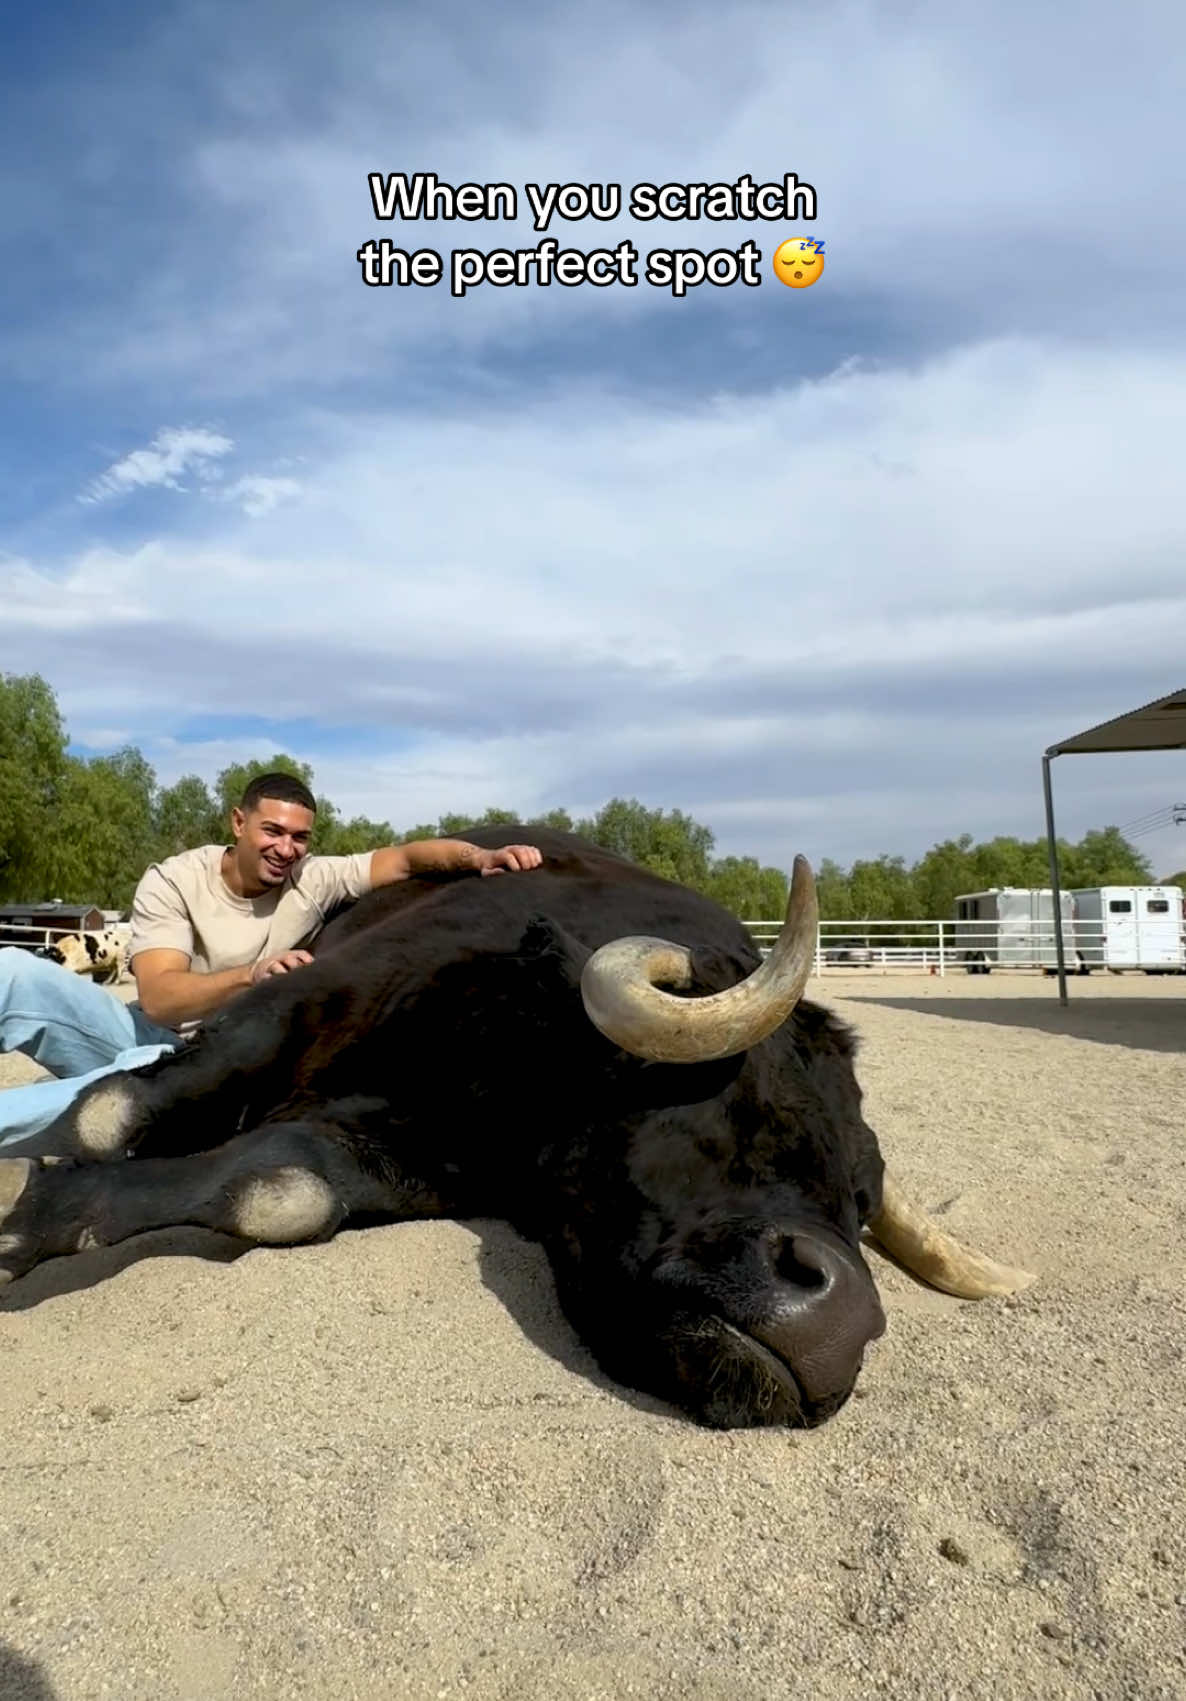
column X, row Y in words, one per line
column 842, row 947
column 955, row 947
column 30, row 937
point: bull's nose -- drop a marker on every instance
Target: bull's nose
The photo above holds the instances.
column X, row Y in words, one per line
column 823, row 1311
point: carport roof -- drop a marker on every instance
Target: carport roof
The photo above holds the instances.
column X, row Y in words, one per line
column 1157, row 726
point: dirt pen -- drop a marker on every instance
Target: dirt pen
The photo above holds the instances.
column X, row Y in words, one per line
column 383, row 1467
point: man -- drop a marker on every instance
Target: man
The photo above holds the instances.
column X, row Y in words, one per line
column 206, row 925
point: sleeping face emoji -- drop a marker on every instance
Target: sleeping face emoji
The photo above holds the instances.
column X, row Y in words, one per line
column 799, row 261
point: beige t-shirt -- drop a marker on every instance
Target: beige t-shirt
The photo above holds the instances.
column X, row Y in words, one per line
column 184, row 904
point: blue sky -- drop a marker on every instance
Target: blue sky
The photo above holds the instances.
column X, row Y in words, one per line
column 826, row 568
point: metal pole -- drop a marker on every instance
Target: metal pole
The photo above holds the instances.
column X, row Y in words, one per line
column 1056, row 888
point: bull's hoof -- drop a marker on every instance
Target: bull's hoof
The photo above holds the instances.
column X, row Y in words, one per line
column 20, row 1241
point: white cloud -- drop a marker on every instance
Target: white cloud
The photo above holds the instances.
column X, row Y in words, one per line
column 887, row 586
column 171, row 454
column 955, row 177
column 857, row 607
column 257, row 495
column 175, row 453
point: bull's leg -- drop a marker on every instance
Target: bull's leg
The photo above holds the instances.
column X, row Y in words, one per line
column 191, row 1100
column 279, row 1185
column 111, row 1116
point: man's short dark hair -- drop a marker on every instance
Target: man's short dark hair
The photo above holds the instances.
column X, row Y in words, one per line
column 285, row 788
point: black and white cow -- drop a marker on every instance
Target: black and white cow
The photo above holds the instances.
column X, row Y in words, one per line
column 102, row 955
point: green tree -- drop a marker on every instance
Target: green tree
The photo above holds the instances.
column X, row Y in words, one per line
column 558, row 819
column 335, row 837
column 232, row 782
column 104, row 834
column 883, row 889
column 670, row 844
column 1104, row 857
column 453, row 826
column 496, row 818
column 833, row 891
column 456, row 826
column 186, row 816
column 32, row 764
column 752, row 892
column 1006, row 861
column 947, row 870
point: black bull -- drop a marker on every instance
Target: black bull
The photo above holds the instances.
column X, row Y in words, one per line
column 703, row 1217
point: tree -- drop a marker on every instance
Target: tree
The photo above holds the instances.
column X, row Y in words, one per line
column 883, row 889
column 335, row 837
column 232, row 782
column 1006, row 861
column 185, row 817
column 942, row 874
column 832, row 891
column 85, row 830
column 671, row 844
column 457, row 826
column 752, row 892
column 1104, row 857
column 104, row 834
column 32, row 763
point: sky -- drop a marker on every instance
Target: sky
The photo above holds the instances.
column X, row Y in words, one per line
column 825, row 568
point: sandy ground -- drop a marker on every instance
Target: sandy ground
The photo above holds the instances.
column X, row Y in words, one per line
column 384, row 1467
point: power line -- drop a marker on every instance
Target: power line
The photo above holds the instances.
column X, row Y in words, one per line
column 1173, row 814
column 1152, row 819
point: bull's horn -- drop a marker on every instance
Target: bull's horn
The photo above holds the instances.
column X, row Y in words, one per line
column 915, row 1241
column 621, row 986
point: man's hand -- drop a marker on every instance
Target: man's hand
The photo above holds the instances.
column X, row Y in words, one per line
column 280, row 965
column 432, row 858
column 512, row 859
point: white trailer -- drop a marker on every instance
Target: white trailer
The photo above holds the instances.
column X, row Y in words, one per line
column 1131, row 927
column 1013, row 927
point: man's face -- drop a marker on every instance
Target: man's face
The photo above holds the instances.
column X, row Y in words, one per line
column 271, row 840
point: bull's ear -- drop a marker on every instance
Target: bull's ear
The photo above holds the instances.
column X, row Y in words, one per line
column 545, row 940
column 714, row 970
column 654, row 1086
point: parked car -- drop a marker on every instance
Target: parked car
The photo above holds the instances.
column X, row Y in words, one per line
column 849, row 952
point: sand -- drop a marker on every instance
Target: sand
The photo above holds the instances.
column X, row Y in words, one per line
column 385, row 1467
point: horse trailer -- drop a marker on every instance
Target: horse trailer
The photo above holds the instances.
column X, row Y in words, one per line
column 1013, row 927
column 1131, row 927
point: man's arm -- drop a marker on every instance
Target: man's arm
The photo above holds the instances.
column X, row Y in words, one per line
column 448, row 856
column 162, row 949
column 170, row 993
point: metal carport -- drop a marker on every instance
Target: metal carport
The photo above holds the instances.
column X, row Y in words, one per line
column 1156, row 726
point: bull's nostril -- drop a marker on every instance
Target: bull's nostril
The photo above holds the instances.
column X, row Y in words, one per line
column 821, row 1311
column 798, row 1262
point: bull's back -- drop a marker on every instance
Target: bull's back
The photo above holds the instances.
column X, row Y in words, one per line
column 590, row 892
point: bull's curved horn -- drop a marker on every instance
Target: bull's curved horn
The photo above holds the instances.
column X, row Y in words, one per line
column 929, row 1253
column 621, row 987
